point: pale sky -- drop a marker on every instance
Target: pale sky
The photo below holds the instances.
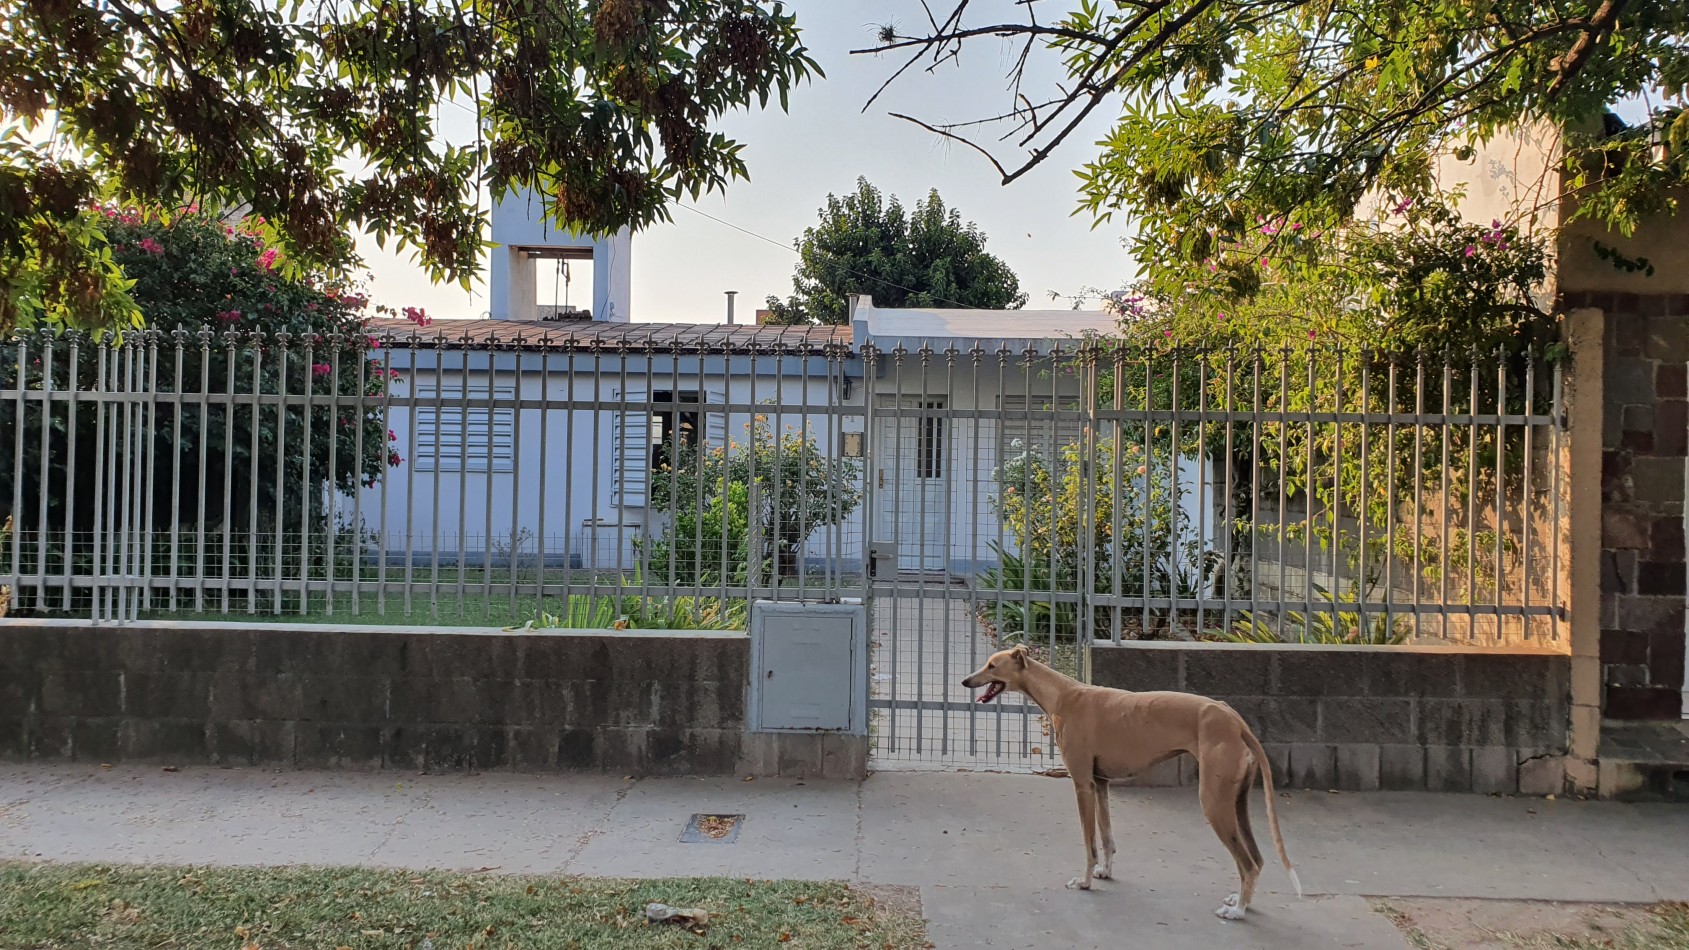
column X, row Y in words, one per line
column 680, row 269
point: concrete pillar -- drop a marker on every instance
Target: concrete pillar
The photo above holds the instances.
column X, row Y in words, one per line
column 1580, row 461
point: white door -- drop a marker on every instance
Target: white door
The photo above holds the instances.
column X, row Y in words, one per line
column 912, row 484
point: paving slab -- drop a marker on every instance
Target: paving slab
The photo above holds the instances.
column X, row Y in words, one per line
column 1024, row 828
column 791, row 830
column 1165, row 919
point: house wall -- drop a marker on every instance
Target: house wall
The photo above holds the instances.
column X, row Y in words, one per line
column 558, row 495
column 1644, row 449
column 519, row 220
column 951, row 523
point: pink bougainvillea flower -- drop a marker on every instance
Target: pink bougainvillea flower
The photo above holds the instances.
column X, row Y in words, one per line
column 417, row 315
column 374, row 344
column 1471, row 250
column 1403, row 206
column 321, row 369
column 267, row 260
column 228, row 316
column 151, row 246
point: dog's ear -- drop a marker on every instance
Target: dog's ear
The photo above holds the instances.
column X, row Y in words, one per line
column 1019, row 653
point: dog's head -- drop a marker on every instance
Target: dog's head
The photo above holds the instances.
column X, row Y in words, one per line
column 1003, row 670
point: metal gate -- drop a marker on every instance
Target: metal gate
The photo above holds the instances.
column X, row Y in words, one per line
column 1059, row 496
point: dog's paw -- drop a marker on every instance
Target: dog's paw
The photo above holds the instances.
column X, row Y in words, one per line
column 1078, row 884
column 1102, row 873
column 1229, row 909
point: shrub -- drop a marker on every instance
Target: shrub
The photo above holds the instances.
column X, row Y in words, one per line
column 761, row 501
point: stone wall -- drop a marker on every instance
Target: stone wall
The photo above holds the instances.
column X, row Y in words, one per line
column 414, row 699
column 1367, row 718
column 1645, row 437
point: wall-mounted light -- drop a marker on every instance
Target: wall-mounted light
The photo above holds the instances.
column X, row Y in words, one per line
column 852, row 447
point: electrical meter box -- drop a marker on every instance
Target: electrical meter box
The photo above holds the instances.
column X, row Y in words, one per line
column 809, row 667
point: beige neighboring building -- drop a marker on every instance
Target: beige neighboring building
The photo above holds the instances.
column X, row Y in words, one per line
column 1628, row 455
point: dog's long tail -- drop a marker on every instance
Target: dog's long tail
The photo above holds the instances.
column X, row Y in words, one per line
column 1272, row 813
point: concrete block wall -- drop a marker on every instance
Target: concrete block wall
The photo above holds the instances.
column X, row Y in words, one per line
column 1371, row 718
column 308, row 697
column 1645, row 438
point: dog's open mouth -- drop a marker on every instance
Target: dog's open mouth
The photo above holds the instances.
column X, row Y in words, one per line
column 991, row 691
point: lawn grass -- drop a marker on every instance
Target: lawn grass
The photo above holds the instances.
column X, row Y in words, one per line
column 53, row 906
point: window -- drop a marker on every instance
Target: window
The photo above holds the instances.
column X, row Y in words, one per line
column 930, row 445
column 461, row 433
column 1043, row 432
column 670, row 423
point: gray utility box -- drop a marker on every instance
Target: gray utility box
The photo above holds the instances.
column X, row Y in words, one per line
column 809, row 667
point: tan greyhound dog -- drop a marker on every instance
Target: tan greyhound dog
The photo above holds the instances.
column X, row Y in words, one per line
column 1107, row 734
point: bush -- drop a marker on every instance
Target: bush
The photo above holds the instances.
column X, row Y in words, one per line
column 761, row 501
column 1047, row 507
column 221, row 316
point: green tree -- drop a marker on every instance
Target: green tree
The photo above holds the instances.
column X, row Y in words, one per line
column 868, row 244
column 747, row 506
column 1229, row 113
column 322, row 118
column 223, row 316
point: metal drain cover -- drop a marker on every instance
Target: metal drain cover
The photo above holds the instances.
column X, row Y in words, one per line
column 712, row 829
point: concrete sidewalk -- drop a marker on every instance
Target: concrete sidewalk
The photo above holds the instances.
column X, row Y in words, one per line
column 989, row 852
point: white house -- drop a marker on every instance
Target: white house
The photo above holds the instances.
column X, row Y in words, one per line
column 538, row 438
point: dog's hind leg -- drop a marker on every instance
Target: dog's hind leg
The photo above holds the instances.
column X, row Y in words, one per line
column 1085, row 790
column 1218, row 785
column 1104, row 870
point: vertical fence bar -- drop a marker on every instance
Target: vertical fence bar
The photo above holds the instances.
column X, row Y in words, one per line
column 1500, row 483
column 1336, row 593
column 1229, row 510
column 544, row 495
column 947, row 440
column 101, row 459
column 491, row 467
column 1199, row 578
column 309, row 386
column 127, row 458
column 73, row 372
column 330, row 490
column 517, row 416
column 201, row 483
column 42, row 491
column 1390, row 435
column 1557, row 422
column 385, row 470
column 976, row 355
column 1472, row 434
column 1362, row 502
column 1527, row 493
column 18, row 425
column 1117, row 452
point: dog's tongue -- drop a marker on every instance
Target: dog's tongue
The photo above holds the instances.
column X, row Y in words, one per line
column 991, row 691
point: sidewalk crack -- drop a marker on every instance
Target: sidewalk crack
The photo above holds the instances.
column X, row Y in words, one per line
column 418, row 803
column 856, row 873
column 598, row 827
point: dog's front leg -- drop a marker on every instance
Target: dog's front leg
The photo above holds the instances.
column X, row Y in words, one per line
column 1086, row 792
column 1106, row 870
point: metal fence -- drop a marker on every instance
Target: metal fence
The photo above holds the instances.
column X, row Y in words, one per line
column 976, row 495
